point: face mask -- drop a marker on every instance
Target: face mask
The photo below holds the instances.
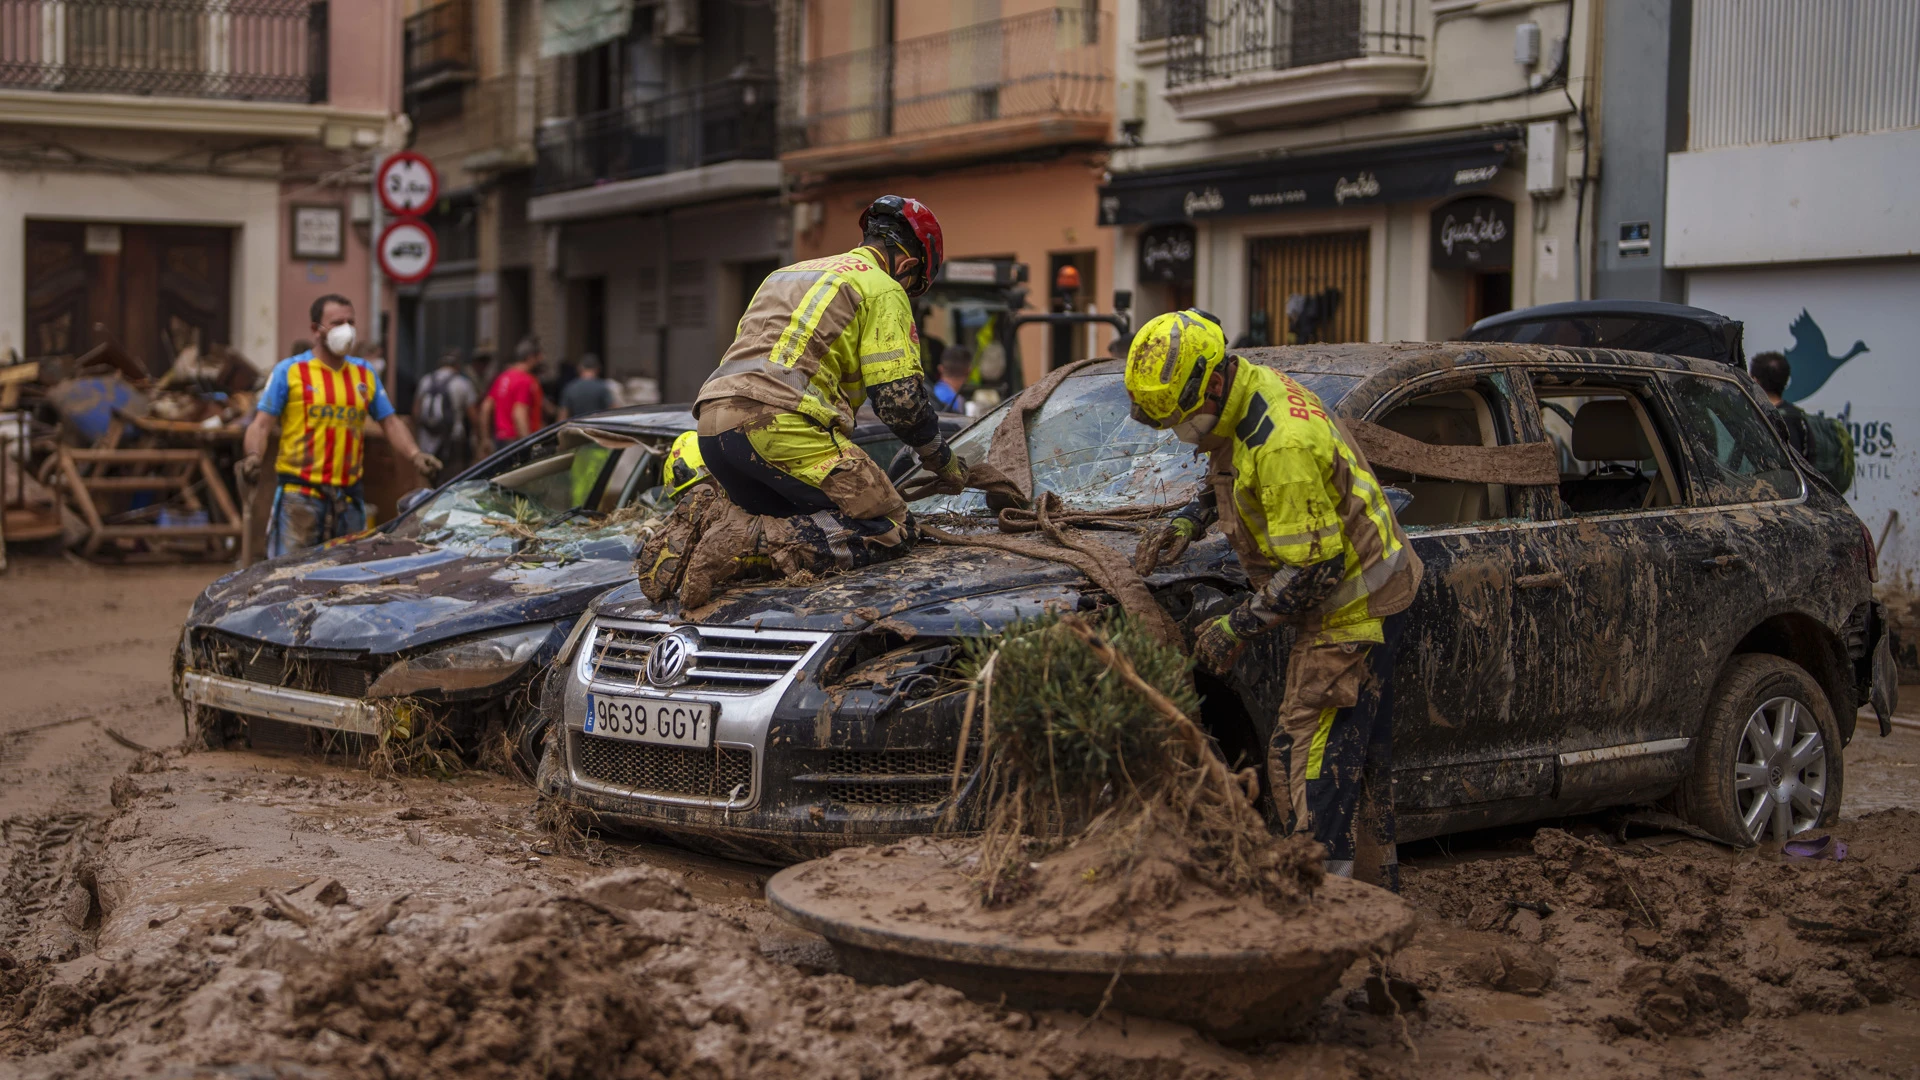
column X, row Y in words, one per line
column 1195, row 427
column 340, row 339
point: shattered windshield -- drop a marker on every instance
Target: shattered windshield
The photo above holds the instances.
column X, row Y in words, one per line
column 1086, row 447
column 575, row 487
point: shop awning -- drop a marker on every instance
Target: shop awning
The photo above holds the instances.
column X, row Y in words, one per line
column 1380, row 174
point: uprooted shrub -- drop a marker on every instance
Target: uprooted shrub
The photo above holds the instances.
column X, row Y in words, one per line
column 1092, row 743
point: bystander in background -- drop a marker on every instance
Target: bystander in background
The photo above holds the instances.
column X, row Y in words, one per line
column 589, row 393
column 445, row 408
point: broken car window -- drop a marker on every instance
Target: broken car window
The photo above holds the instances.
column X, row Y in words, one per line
column 561, row 489
column 1086, row 447
column 1737, row 456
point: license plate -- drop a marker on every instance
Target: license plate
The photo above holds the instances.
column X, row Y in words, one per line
column 665, row 721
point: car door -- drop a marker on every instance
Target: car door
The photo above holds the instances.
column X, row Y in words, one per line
column 1606, row 645
column 1459, row 745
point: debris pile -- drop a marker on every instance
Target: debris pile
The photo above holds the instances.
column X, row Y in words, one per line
column 1687, row 938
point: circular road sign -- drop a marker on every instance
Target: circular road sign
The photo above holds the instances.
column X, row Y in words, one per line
column 408, row 185
column 408, row 250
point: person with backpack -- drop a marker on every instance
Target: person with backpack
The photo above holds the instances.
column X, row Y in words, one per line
column 443, row 404
column 1819, row 438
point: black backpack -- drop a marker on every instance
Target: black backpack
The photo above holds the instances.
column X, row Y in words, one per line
column 436, row 413
column 1824, row 441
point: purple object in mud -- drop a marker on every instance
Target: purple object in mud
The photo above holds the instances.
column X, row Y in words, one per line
column 1821, row 847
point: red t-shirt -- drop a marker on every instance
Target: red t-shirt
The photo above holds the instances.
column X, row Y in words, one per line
column 515, row 387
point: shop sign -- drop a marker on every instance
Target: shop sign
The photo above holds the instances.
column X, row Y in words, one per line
column 1474, row 233
column 1166, row 254
column 319, row 232
column 1329, row 181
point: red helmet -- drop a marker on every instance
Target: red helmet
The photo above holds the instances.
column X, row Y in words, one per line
column 909, row 218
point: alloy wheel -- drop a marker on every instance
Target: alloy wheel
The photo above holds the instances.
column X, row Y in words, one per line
column 1780, row 772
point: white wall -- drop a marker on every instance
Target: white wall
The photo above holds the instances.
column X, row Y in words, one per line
column 1845, row 198
column 251, row 206
column 1877, row 391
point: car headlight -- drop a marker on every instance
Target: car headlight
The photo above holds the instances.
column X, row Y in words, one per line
column 465, row 665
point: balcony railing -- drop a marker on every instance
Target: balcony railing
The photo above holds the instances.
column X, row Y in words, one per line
column 439, row 42
column 247, row 50
column 724, row 121
column 1222, row 39
column 1048, row 63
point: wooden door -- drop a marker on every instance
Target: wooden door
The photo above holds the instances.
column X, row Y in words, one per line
column 154, row 289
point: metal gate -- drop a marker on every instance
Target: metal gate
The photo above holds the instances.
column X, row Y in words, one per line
column 1310, row 288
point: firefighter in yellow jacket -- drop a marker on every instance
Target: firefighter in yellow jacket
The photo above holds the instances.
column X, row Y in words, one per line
column 1318, row 540
column 776, row 418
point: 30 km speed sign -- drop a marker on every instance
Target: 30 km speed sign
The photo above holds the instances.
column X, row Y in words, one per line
column 408, row 250
column 408, row 185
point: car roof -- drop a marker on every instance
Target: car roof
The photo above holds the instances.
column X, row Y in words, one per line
column 676, row 418
column 1639, row 325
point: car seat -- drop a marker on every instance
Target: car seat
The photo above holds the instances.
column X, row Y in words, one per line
column 1608, row 430
column 1439, row 502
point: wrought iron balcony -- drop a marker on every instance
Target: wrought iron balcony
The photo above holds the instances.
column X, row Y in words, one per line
column 243, row 50
column 731, row 120
column 1043, row 77
column 1291, row 59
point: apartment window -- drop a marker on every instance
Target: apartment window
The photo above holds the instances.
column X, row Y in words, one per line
column 1308, row 288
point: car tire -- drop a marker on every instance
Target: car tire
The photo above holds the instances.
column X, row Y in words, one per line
column 1770, row 763
column 212, row 729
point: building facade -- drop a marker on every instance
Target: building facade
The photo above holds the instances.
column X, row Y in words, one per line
column 1351, row 170
column 1786, row 205
column 655, row 206
column 188, row 174
column 995, row 113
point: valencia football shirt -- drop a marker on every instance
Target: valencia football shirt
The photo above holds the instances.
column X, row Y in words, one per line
column 321, row 410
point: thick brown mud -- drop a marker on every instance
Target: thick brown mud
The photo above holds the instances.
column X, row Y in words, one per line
column 242, row 914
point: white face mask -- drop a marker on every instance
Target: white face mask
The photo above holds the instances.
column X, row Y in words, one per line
column 1195, row 427
column 340, row 339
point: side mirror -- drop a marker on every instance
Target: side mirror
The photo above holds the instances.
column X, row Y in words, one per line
column 412, row 499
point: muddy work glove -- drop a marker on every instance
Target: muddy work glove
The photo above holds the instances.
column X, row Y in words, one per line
column 1216, row 648
column 949, row 472
column 426, row 464
column 1164, row 542
column 250, row 469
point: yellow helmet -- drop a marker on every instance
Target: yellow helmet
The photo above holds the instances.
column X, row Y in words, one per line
column 1172, row 359
column 684, row 466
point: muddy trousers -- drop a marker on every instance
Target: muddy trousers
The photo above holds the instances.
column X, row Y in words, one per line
column 1331, row 756
column 818, row 535
column 308, row 515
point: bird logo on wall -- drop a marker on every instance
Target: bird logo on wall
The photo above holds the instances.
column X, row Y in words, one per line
column 1811, row 363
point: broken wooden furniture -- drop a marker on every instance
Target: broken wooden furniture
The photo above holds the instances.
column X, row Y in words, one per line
column 88, row 472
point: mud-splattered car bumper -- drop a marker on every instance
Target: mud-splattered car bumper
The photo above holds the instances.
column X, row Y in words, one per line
column 792, row 769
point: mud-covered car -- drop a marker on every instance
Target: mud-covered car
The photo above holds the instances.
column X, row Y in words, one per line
column 441, row 619
column 1633, row 592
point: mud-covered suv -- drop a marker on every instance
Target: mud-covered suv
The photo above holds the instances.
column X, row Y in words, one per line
column 1633, row 592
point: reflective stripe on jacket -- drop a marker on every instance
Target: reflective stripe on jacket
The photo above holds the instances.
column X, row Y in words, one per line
column 816, row 335
column 1302, row 493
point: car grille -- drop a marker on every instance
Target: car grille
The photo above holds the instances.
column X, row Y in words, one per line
column 258, row 662
column 887, row 777
column 643, row 769
column 730, row 662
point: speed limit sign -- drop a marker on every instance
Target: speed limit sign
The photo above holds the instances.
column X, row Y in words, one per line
column 408, row 185
column 408, row 250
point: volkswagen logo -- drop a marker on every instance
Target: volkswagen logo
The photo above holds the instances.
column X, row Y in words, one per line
column 672, row 654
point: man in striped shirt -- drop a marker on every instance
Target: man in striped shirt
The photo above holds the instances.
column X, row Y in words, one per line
column 321, row 400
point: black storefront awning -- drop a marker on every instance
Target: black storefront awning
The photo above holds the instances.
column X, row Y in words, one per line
column 1308, row 182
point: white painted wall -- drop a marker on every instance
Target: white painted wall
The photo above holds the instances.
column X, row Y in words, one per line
column 1845, row 198
column 1877, row 391
column 251, row 206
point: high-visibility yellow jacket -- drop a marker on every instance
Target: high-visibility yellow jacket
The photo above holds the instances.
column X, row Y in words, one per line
column 1293, row 490
column 818, row 335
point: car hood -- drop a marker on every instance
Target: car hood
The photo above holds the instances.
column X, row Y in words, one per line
column 383, row 594
column 935, row 589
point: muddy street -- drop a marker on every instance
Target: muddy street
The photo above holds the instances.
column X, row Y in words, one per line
column 168, row 911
